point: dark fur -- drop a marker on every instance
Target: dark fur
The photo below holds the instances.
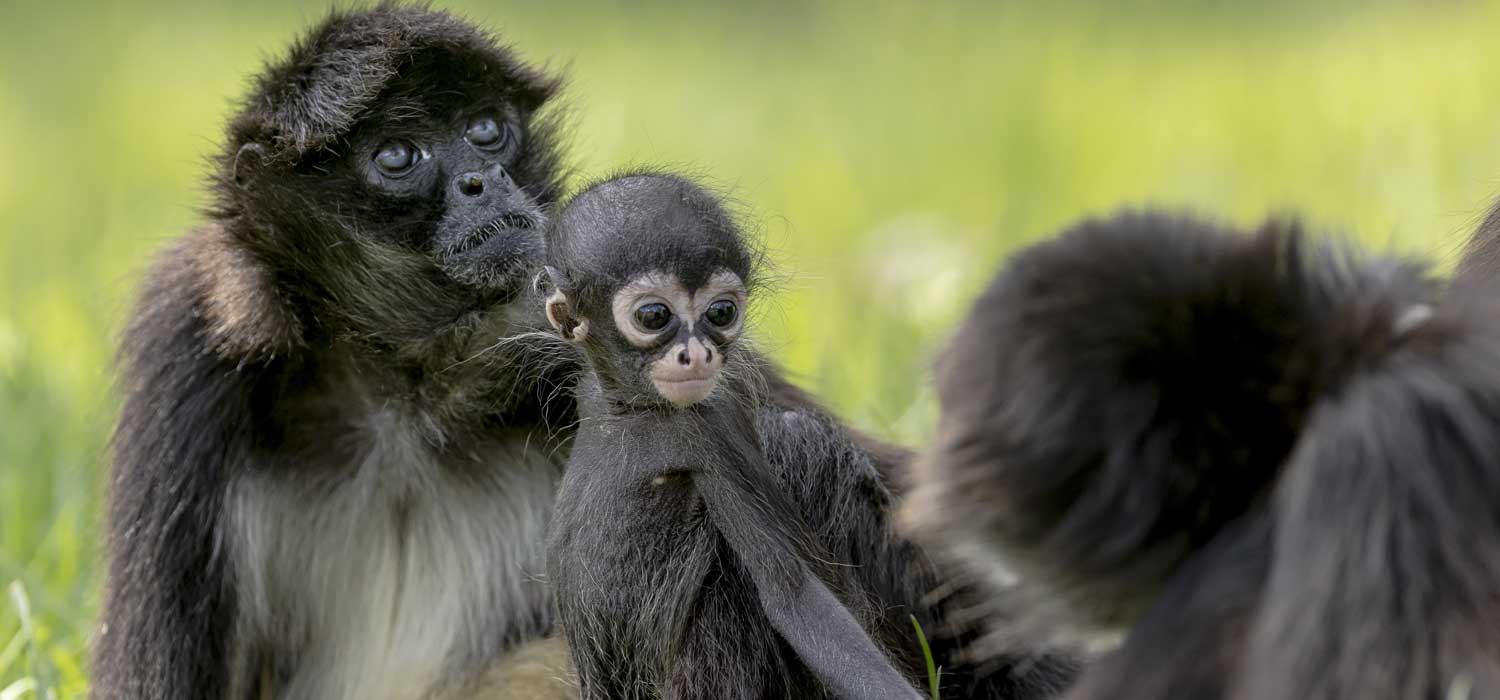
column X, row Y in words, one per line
column 323, row 321
column 1255, row 454
column 704, row 587
column 1481, row 256
column 706, row 584
column 674, row 600
column 320, row 300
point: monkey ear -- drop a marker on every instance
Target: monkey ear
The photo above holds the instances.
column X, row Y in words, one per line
column 560, row 312
column 247, row 160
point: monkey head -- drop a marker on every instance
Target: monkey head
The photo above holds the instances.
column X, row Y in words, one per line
column 389, row 176
column 650, row 276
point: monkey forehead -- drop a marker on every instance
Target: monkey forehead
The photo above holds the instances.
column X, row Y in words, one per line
column 340, row 70
column 624, row 227
column 670, row 288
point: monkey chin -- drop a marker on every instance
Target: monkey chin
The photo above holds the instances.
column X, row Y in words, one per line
column 685, row 392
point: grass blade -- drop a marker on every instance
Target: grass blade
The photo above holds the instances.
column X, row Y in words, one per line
column 933, row 672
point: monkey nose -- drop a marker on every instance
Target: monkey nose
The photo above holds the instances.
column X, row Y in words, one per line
column 696, row 352
column 687, row 375
column 700, row 355
column 496, row 174
column 469, row 184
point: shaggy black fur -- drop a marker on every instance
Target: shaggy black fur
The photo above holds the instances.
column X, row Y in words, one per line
column 1481, row 257
column 319, row 329
column 1274, row 464
column 340, row 436
column 680, row 565
column 716, row 582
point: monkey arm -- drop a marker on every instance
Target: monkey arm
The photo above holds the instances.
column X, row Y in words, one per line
column 829, row 640
column 167, row 609
column 801, row 608
column 841, row 489
column 163, row 631
column 770, row 540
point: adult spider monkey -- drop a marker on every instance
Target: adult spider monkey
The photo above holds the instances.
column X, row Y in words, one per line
column 315, row 492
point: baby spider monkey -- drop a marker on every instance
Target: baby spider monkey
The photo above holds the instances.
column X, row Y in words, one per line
column 681, row 562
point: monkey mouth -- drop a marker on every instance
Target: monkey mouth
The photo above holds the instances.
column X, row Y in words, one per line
column 510, row 221
column 686, row 391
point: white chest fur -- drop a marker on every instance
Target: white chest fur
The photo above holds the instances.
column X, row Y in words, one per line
column 394, row 576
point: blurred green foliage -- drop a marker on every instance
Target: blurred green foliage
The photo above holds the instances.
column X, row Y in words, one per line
column 891, row 153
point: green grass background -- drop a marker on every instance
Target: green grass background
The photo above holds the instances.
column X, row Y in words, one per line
column 891, row 152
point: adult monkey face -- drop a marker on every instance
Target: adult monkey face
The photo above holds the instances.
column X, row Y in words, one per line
column 458, row 162
column 422, row 205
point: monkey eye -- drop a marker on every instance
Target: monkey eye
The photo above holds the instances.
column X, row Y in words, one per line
column 653, row 316
column 396, row 157
column 721, row 313
column 485, row 132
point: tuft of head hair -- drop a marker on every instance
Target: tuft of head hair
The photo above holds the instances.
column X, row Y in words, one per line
column 314, row 94
column 1121, row 394
column 647, row 220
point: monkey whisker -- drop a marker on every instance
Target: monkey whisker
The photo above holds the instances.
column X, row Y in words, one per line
column 477, row 237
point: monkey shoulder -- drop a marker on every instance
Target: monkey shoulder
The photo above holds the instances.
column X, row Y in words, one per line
column 189, row 402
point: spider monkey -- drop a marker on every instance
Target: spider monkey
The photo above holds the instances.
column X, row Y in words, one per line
column 1270, row 463
column 315, row 492
column 681, row 564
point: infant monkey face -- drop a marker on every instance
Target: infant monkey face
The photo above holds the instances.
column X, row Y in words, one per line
column 684, row 331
